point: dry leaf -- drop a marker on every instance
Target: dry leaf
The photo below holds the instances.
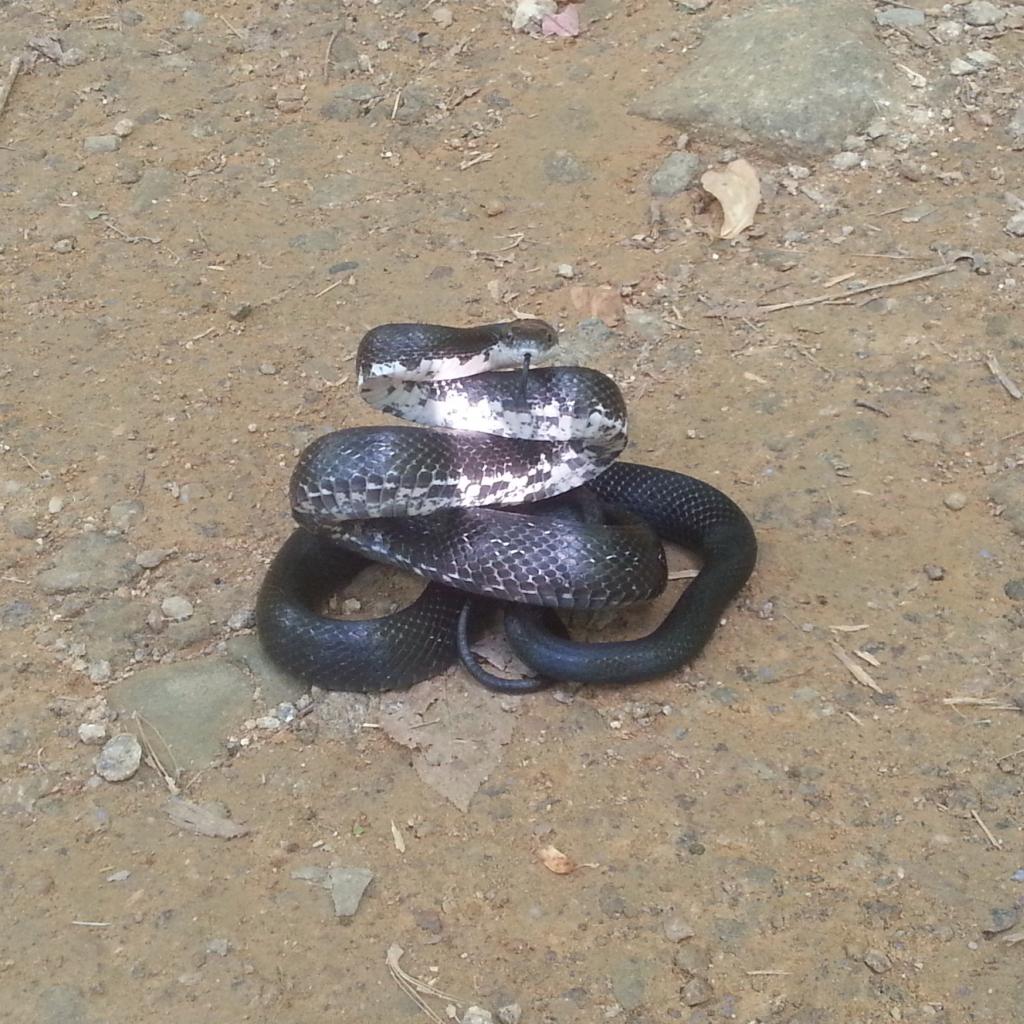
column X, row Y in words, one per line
column 556, row 861
column 457, row 730
column 566, row 23
column 604, row 303
column 398, row 838
column 739, row 193
column 208, row 819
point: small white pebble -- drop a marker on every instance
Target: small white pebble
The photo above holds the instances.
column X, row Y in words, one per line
column 565, row 270
column 124, row 127
column 177, row 608
column 92, row 733
column 55, row 505
column 268, row 723
column 955, row 501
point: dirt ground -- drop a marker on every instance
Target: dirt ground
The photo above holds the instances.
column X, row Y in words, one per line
column 765, row 837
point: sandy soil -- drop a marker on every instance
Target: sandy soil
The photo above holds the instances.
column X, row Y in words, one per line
column 839, row 851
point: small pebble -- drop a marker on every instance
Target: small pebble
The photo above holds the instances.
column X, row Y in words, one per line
column 955, row 501
column 494, row 207
column 124, row 127
column 982, row 12
column 1014, row 589
column 959, row 67
column 151, row 557
column 119, row 759
column 877, row 961
column 285, row 711
column 192, row 19
column 1015, row 225
column 64, row 245
column 268, row 369
column 696, row 991
column 99, row 671
column 565, row 270
column 241, row 311
column 511, row 1014
column 243, row 618
column 268, row 723
column 119, row 876
column 477, row 1015
column 218, row 947
column 177, row 608
column 676, row 929
column 101, row 144
column 845, row 161
column 351, row 605
column 55, row 505
column 92, row 733
column 935, row 572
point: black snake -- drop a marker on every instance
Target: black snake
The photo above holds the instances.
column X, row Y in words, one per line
column 425, row 500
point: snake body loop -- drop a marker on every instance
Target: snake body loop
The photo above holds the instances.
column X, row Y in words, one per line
column 425, row 500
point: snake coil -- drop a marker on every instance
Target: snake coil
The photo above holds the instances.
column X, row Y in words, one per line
column 515, row 497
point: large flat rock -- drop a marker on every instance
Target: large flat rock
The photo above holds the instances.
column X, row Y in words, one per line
column 794, row 77
column 194, row 705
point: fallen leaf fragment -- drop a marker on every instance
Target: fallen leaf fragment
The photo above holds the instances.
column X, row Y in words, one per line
column 603, row 303
column 207, row 819
column 738, row 191
column 555, row 861
column 566, row 23
column 398, row 838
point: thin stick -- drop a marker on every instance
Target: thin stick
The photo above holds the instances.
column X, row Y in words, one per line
column 233, row 29
column 994, row 703
column 1008, row 437
column 327, row 55
column 92, row 924
column 8, row 84
column 996, row 843
column 814, row 300
column 861, row 404
column 997, row 371
column 329, row 288
column 853, row 668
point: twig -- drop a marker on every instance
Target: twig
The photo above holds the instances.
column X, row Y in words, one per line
column 993, row 703
column 861, row 404
column 92, row 924
column 244, row 38
column 8, row 83
column 13, row 579
column 1010, row 436
column 996, row 843
column 1012, row 753
column 330, row 287
column 814, row 300
column 473, row 161
column 327, row 55
column 853, row 668
column 124, row 234
column 170, row 781
column 412, row 986
column 997, row 371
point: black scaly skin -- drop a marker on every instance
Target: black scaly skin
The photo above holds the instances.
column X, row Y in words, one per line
column 490, row 551
column 683, row 511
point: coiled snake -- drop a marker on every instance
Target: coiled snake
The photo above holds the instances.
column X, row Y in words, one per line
column 582, row 531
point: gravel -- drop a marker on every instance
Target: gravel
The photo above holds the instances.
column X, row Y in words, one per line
column 120, row 758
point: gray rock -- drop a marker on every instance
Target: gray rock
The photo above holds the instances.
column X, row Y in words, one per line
column 61, row 1004
column 899, row 17
column 1014, row 589
column 101, row 144
column 676, row 929
column 319, row 240
column 124, row 514
column 155, row 185
column 1015, row 225
column 93, row 563
column 563, row 168
column 510, row 1014
column 1016, row 125
column 92, row 733
column 981, row 12
column 241, row 618
column 112, row 628
column 629, row 981
column 151, row 557
column 194, row 705
column 276, row 687
column 177, row 608
column 16, row 614
column 675, row 175
column 120, row 758
column 877, row 962
column 339, row 190
column 845, row 161
column 697, row 991
column 23, row 527
column 790, row 75
column 347, row 886
column 477, row 1015
column 350, row 103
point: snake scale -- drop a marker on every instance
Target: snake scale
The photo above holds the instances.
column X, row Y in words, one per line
column 514, row 498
